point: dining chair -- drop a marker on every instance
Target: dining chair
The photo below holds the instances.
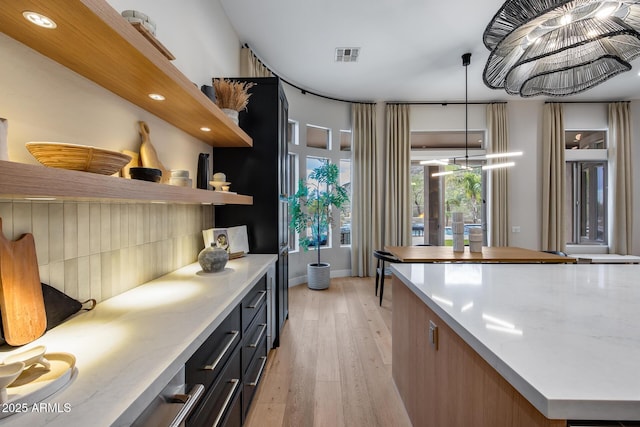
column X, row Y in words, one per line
column 381, row 271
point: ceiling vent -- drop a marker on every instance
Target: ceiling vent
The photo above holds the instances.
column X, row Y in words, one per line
column 347, row 54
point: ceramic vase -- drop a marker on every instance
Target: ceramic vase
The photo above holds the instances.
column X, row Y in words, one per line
column 213, row 259
column 232, row 114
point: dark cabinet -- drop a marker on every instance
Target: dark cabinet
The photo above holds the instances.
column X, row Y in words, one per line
column 261, row 172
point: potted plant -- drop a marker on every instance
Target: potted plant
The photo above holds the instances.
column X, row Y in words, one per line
column 232, row 96
column 310, row 210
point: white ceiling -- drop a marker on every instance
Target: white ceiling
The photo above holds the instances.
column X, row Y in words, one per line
column 410, row 49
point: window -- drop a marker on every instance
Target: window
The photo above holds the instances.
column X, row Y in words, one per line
column 291, row 187
column 345, row 216
column 292, row 132
column 325, row 235
column 345, row 140
column 586, row 193
column 318, row 137
column 586, row 198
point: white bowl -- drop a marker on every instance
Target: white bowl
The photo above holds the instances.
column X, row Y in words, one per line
column 29, row 357
column 8, row 374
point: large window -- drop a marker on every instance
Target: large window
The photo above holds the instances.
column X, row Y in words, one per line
column 325, row 234
column 586, row 200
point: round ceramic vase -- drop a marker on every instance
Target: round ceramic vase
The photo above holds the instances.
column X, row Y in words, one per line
column 213, row 259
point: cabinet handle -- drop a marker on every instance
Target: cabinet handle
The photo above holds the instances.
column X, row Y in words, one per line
column 230, row 340
column 191, row 400
column 255, row 304
column 235, row 383
column 255, row 344
column 255, row 382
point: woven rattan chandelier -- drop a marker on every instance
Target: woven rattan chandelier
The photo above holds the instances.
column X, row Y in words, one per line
column 558, row 48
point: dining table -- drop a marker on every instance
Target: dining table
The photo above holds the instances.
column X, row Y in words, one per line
column 489, row 254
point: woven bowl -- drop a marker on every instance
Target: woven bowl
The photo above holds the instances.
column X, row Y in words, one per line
column 78, row 157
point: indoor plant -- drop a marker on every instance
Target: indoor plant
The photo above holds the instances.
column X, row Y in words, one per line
column 310, row 210
column 232, row 96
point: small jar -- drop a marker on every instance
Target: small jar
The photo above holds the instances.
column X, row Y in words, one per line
column 213, row 259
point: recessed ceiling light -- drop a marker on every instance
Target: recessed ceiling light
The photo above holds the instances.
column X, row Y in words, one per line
column 156, row 97
column 205, row 129
column 39, row 20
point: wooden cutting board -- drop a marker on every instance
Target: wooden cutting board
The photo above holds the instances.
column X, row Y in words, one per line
column 23, row 314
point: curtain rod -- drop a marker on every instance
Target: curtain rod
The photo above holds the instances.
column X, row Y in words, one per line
column 444, row 103
column 304, row 91
column 581, row 102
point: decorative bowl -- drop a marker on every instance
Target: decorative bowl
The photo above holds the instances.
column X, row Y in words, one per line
column 78, row 157
column 146, row 174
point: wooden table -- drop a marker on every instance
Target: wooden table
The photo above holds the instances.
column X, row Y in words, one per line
column 503, row 254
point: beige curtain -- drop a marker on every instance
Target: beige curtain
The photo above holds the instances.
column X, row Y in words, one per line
column 620, row 141
column 397, row 162
column 553, row 178
column 365, row 194
column 498, row 125
column 251, row 66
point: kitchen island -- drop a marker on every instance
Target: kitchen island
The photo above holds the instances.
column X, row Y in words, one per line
column 130, row 346
column 516, row 344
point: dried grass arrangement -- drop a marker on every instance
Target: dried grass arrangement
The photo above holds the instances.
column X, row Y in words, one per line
column 232, row 95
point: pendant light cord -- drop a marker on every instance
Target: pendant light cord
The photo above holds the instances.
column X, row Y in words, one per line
column 466, row 60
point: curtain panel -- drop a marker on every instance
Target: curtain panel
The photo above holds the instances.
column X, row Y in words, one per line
column 553, row 178
column 365, row 193
column 397, row 187
column 498, row 125
column 251, row 66
column 620, row 141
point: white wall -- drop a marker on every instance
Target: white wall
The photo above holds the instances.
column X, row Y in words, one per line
column 310, row 109
column 44, row 101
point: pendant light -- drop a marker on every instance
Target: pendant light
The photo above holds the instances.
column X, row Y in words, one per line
column 466, row 60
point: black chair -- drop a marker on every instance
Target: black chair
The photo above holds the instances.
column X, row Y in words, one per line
column 381, row 271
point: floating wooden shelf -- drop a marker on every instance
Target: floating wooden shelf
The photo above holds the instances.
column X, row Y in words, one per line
column 20, row 181
column 93, row 40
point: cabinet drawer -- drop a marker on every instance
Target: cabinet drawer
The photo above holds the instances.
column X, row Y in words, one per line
column 253, row 375
column 253, row 302
column 207, row 362
column 253, row 337
column 216, row 408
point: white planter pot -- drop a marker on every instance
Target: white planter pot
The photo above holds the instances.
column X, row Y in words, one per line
column 318, row 276
column 232, row 114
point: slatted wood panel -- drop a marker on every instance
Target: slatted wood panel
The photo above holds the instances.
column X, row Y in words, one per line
column 333, row 365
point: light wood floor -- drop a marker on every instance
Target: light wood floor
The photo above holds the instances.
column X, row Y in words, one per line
column 333, row 367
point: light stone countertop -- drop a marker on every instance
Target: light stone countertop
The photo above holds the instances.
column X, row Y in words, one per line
column 566, row 336
column 130, row 346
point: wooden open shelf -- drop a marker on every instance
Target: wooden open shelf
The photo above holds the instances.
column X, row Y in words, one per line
column 93, row 40
column 20, row 181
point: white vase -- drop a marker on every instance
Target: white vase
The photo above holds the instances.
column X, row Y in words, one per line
column 4, row 144
column 232, row 114
column 318, row 276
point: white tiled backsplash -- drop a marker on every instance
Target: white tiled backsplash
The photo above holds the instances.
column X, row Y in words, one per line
column 99, row 250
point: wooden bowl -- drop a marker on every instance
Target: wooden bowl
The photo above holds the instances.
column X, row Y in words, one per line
column 78, row 157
